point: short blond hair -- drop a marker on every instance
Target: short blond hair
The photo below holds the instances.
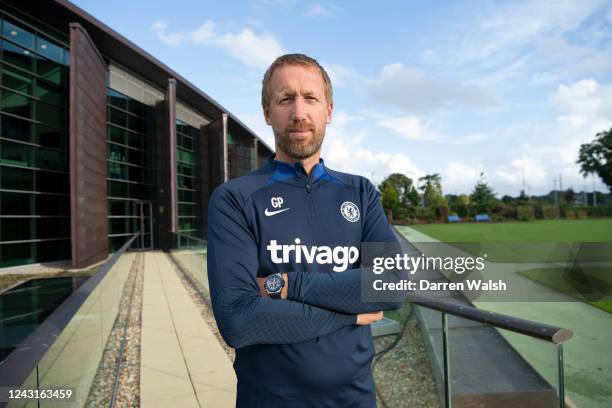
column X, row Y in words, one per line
column 293, row 59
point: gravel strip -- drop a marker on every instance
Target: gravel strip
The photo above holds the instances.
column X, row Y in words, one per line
column 403, row 376
column 128, row 361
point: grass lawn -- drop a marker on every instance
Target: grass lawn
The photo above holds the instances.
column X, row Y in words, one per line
column 563, row 280
column 536, row 241
column 592, row 230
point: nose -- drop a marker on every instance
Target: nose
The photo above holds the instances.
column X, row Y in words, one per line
column 299, row 111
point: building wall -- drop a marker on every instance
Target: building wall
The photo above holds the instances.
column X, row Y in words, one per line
column 34, row 173
column 147, row 171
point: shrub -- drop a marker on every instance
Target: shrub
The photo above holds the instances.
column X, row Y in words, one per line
column 570, row 214
column 550, row 212
column 525, row 212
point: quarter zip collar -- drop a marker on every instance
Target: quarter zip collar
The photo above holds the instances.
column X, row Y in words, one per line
column 285, row 171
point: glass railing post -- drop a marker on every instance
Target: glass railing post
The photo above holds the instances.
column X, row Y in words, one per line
column 446, row 355
column 561, row 376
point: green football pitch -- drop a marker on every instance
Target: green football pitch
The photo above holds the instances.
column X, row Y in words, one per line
column 592, row 230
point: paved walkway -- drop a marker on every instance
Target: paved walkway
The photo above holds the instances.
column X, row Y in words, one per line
column 182, row 363
column 588, row 366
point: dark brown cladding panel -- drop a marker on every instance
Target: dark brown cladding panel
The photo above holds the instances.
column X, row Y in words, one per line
column 213, row 152
column 88, row 195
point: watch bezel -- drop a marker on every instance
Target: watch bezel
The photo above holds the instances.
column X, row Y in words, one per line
column 274, row 293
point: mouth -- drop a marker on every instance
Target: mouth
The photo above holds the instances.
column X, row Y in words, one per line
column 299, row 132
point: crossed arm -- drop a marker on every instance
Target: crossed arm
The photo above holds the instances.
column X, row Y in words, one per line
column 244, row 317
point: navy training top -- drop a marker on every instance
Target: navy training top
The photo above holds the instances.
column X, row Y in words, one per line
column 306, row 351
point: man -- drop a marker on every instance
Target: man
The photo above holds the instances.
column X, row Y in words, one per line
column 283, row 244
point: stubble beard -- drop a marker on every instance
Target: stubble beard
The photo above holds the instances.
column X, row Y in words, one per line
column 300, row 149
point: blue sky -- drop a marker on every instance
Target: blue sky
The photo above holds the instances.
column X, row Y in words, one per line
column 457, row 88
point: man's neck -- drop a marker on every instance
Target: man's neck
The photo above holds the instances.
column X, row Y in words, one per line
column 308, row 163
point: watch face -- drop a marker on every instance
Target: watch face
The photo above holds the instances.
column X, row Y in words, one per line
column 274, row 283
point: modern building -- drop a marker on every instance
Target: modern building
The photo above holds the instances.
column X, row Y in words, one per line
column 100, row 140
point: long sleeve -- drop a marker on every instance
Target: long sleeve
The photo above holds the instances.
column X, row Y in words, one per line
column 243, row 316
column 342, row 291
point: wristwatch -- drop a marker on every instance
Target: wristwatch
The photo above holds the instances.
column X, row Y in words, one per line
column 274, row 285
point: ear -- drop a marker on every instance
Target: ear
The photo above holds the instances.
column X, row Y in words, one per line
column 266, row 113
column 330, row 109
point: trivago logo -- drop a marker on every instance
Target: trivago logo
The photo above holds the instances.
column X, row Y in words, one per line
column 341, row 256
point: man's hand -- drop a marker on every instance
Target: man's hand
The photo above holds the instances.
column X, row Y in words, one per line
column 368, row 318
column 262, row 290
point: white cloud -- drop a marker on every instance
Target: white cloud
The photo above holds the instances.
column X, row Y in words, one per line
column 342, row 75
column 408, row 89
column 317, row 11
column 460, row 178
column 410, row 127
column 257, row 50
column 586, row 97
column 505, row 31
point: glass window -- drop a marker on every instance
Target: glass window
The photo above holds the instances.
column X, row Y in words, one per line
column 17, row 129
column 17, row 33
column 136, row 124
column 51, row 71
column 136, row 140
column 17, row 56
column 117, row 99
column 116, row 135
column 16, row 203
column 135, row 157
column 16, row 104
column 50, row 137
column 116, row 207
column 16, row 80
column 136, row 107
column 117, row 117
column 17, row 179
column 49, row 49
column 117, row 171
column 16, row 229
column 116, row 152
column 17, row 254
column 117, row 189
column 50, row 94
column 52, row 250
column 52, row 228
column 51, row 182
column 51, row 159
column 47, row 204
column 16, row 153
column 51, row 115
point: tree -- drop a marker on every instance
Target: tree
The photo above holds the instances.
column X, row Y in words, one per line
column 569, row 196
column 483, row 197
column 407, row 194
column 431, row 185
column 390, row 199
column 596, row 157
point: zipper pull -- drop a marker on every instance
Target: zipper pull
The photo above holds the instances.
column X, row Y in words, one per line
column 308, row 187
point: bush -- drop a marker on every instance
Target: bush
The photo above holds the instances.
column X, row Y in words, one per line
column 441, row 212
column 525, row 212
column 550, row 212
column 600, row 211
column 503, row 211
column 424, row 213
column 401, row 213
column 570, row 214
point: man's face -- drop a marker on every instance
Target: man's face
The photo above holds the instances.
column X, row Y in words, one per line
column 298, row 110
